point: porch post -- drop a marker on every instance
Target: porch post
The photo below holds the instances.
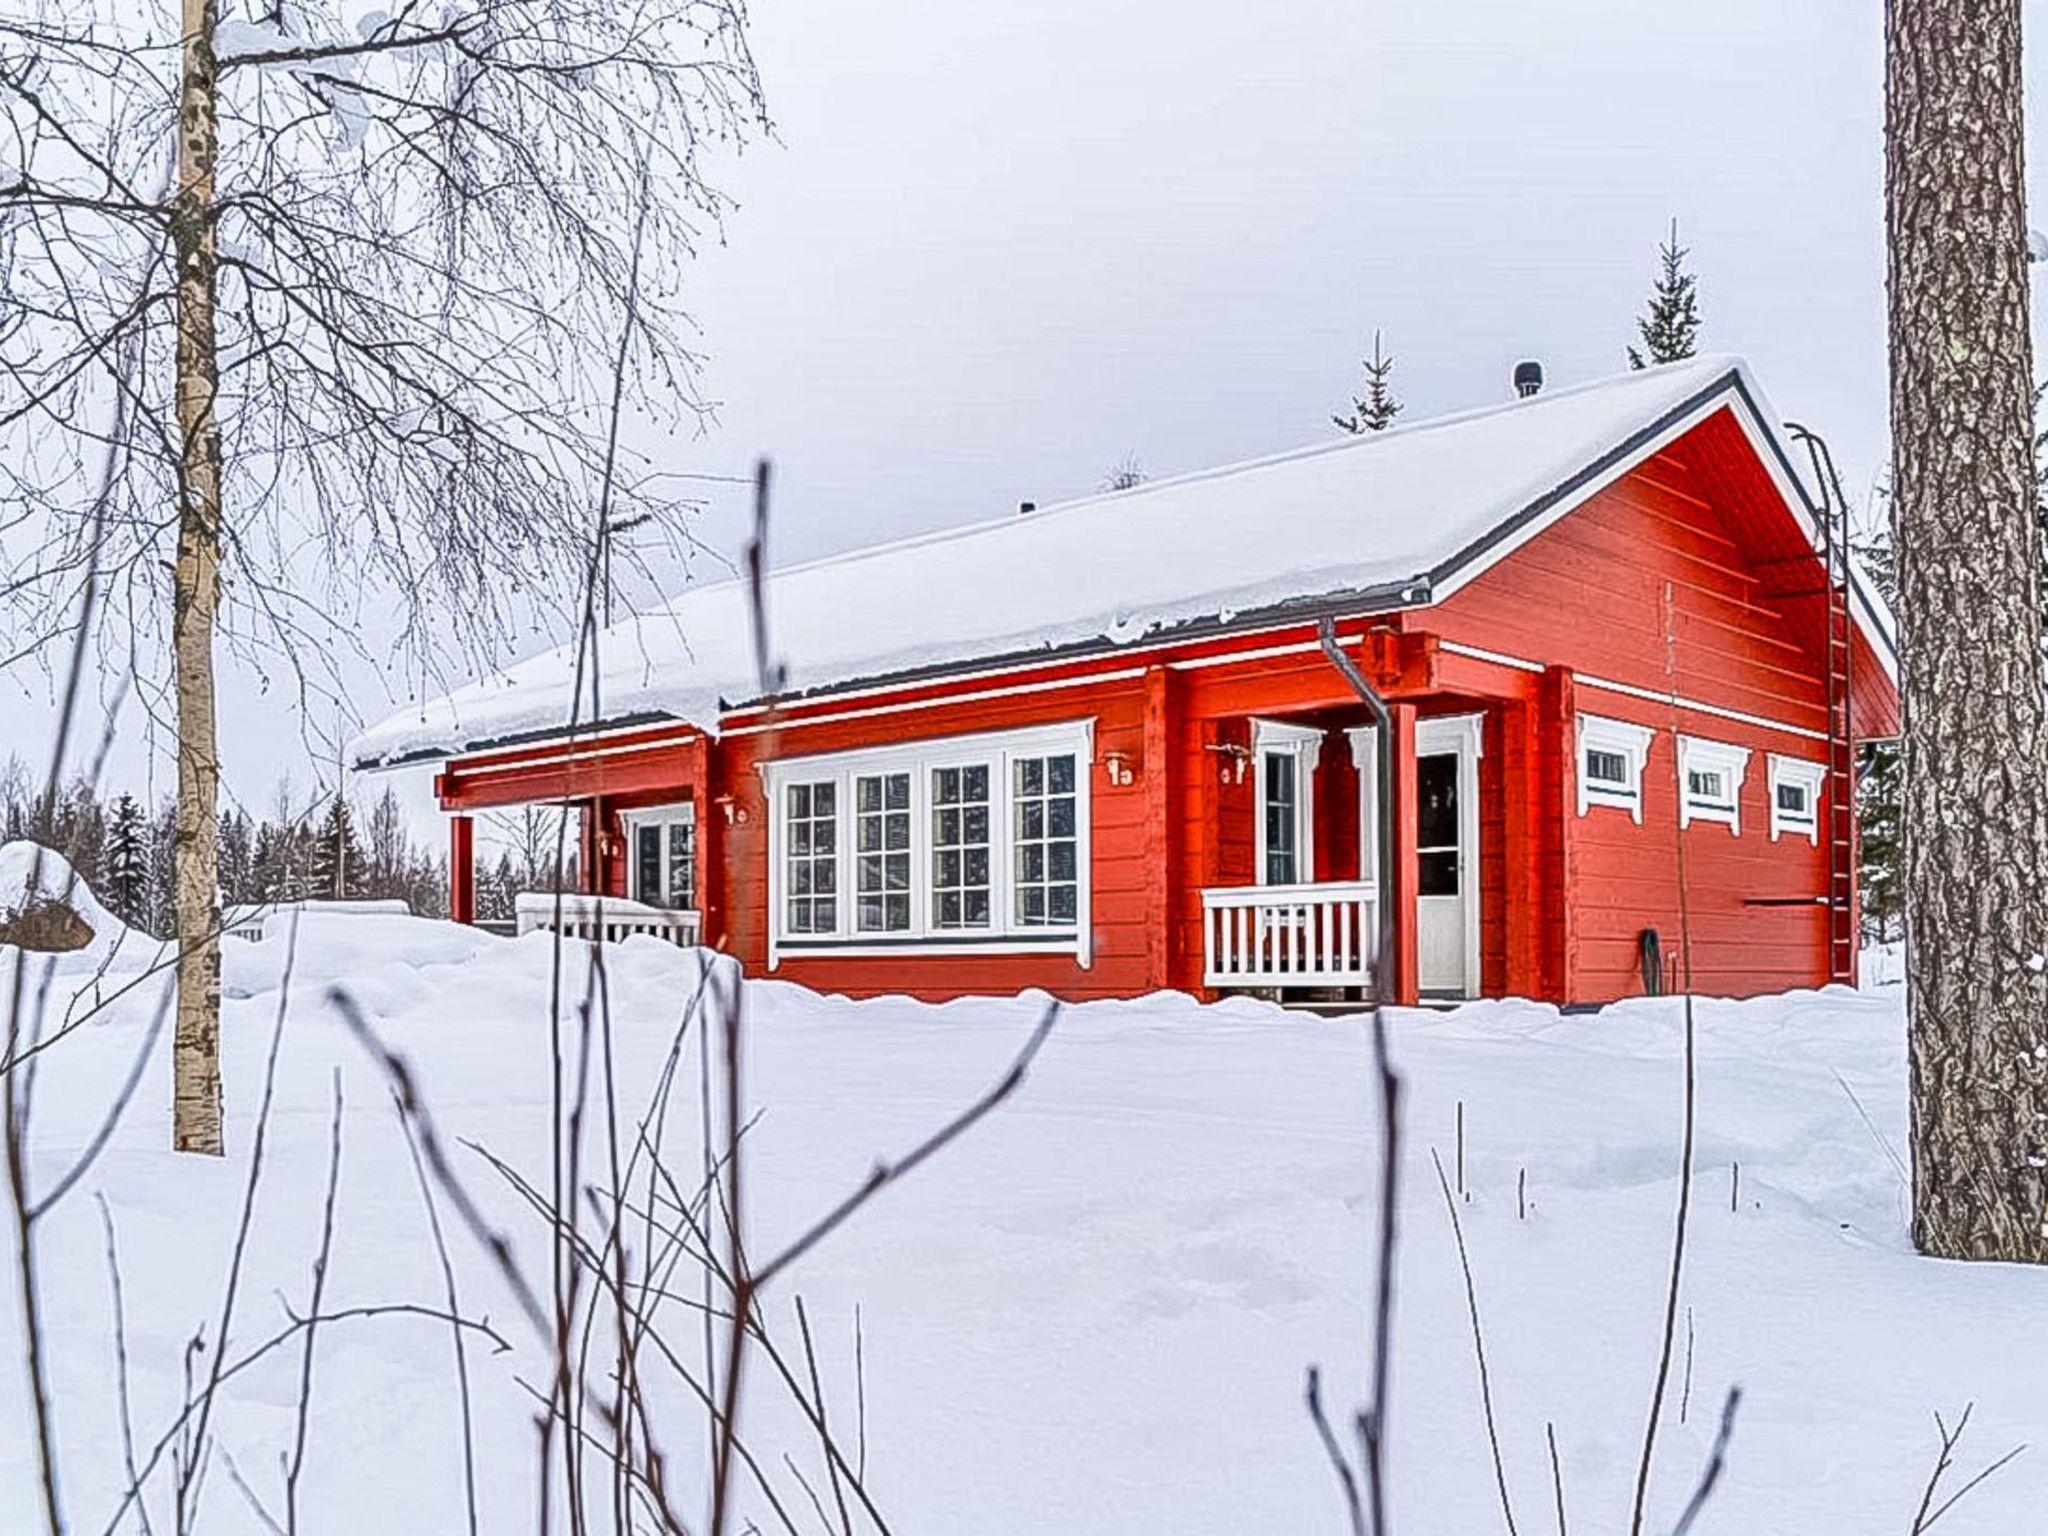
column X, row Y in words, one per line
column 710, row 844
column 1163, row 919
column 461, row 869
column 1558, row 809
column 1405, row 972
column 1522, row 783
column 588, row 875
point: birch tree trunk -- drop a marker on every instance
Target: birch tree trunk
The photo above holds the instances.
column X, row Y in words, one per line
column 1963, row 489
column 195, row 1048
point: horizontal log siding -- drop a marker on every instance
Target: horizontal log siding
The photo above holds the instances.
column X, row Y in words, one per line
column 1118, row 900
column 1589, row 594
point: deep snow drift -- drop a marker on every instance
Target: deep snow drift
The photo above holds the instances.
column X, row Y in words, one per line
column 1093, row 1312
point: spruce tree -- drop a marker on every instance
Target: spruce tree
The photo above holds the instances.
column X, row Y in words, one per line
column 124, row 863
column 161, row 906
column 1670, row 325
column 237, row 859
column 337, row 872
column 1880, row 828
column 1375, row 410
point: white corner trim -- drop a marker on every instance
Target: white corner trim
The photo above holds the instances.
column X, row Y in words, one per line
column 1365, row 758
column 1806, row 775
column 1365, row 746
column 1628, row 741
column 1707, row 756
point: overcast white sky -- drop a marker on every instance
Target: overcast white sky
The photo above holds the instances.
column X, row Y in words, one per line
column 999, row 248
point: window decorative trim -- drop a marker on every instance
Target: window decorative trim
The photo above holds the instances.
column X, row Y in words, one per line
column 1007, row 931
column 1727, row 765
column 1807, row 776
column 679, row 813
column 1365, row 757
column 1304, row 743
column 1620, row 738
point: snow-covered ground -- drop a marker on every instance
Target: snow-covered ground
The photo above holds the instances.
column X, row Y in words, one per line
column 1092, row 1313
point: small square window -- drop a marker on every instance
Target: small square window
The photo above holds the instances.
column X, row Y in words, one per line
column 1713, row 772
column 1795, row 797
column 1606, row 767
column 1611, row 758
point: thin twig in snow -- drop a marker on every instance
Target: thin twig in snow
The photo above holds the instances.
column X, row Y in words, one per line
column 1717, row 1459
column 1500, row 1471
column 1676, row 1275
column 1312, row 1394
column 320, row 1264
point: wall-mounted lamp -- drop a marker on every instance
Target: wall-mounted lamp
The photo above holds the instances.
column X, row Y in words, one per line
column 735, row 813
column 1237, row 761
column 1119, row 768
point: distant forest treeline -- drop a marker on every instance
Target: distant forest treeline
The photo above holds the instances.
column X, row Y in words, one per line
column 122, row 849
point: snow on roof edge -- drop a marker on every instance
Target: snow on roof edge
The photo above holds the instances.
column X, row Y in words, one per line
column 410, row 737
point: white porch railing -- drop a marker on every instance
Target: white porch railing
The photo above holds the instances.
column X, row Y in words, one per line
column 610, row 918
column 1320, row 935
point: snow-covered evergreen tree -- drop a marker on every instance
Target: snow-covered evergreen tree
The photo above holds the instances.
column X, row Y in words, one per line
column 237, row 859
column 161, row 906
column 1670, row 325
column 337, row 872
column 124, row 863
column 1375, row 410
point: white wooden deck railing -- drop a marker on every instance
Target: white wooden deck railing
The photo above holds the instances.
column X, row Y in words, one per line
column 1319, row 935
column 610, row 918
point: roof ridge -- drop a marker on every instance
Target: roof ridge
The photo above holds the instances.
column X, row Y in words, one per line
column 1705, row 363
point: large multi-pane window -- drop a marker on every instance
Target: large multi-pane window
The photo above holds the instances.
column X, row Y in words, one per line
column 811, row 857
column 664, row 865
column 976, row 840
column 1046, row 840
column 961, row 887
column 881, row 843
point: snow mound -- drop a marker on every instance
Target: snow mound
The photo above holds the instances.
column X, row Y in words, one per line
column 32, row 876
column 1094, row 1310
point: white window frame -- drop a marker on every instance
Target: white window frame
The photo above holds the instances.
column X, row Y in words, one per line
column 663, row 816
column 1626, row 740
column 1304, row 743
column 1365, row 757
column 1462, row 736
column 1805, row 774
column 1703, row 755
column 997, row 749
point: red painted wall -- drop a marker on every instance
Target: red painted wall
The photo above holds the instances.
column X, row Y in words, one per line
column 1122, row 908
column 1674, row 578
column 1654, row 583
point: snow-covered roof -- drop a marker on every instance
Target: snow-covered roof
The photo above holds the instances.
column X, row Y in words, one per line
column 1368, row 523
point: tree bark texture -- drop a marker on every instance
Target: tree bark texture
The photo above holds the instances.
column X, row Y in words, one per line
column 1976, row 807
column 195, row 1049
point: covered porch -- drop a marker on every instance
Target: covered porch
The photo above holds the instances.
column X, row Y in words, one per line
column 643, row 813
column 1293, row 900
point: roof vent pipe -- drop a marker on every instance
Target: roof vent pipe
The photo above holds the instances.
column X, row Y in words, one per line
column 1026, row 507
column 1528, row 378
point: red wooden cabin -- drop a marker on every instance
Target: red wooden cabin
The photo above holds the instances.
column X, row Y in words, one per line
column 1100, row 749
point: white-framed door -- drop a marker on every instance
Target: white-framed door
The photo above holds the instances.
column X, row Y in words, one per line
column 1447, row 749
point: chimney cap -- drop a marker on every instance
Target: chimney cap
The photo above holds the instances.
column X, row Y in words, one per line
column 1528, row 377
